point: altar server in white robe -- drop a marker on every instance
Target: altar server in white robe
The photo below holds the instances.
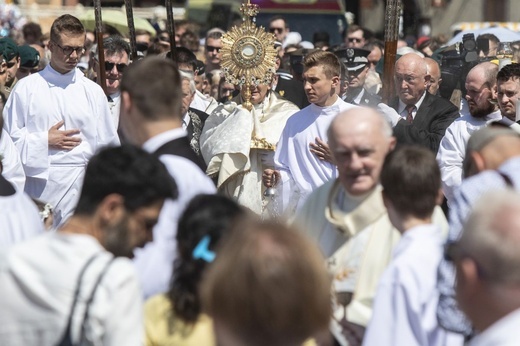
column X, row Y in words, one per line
column 301, row 157
column 58, row 119
column 12, row 168
column 406, row 301
column 19, row 219
column 346, row 216
column 481, row 91
column 239, row 145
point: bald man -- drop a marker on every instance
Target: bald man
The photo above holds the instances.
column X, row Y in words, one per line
column 346, row 216
column 492, row 163
column 486, row 258
column 480, row 92
column 434, row 70
column 417, row 117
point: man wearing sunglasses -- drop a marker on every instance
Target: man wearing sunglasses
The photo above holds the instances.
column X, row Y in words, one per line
column 278, row 26
column 212, row 49
column 11, row 55
column 117, row 58
column 58, row 119
column 355, row 37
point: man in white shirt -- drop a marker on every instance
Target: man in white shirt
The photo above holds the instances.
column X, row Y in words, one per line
column 488, row 275
column 302, row 157
column 58, row 119
column 75, row 284
column 406, row 299
column 480, row 93
column 151, row 117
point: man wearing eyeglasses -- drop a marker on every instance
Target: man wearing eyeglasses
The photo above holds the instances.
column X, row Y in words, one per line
column 212, row 49
column 58, row 119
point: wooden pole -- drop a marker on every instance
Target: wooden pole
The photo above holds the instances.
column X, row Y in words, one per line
column 101, row 78
column 392, row 14
column 131, row 29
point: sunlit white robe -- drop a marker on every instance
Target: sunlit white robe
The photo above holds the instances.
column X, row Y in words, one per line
column 37, row 103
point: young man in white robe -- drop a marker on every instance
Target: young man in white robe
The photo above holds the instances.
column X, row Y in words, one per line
column 404, row 311
column 58, row 119
column 19, row 219
column 302, row 158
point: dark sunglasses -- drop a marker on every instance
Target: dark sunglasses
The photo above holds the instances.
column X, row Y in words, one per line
column 354, row 39
column 212, row 48
column 454, row 253
column 11, row 64
column 273, row 30
column 110, row 65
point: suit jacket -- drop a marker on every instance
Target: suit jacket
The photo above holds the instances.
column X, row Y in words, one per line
column 292, row 90
column 429, row 125
column 181, row 147
column 368, row 99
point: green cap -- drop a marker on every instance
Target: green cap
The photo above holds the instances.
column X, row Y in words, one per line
column 8, row 48
column 29, row 57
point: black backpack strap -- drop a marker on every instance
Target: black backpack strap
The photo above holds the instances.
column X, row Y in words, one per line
column 66, row 339
column 507, row 179
column 91, row 298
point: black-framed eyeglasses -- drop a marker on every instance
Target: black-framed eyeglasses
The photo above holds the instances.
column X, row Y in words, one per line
column 354, row 39
column 67, row 50
column 212, row 48
column 110, row 65
column 273, row 30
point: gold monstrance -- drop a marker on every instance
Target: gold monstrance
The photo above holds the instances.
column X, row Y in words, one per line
column 248, row 54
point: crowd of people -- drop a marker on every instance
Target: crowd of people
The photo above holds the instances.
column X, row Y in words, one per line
column 158, row 209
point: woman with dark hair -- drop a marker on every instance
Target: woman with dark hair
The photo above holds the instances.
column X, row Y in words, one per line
column 175, row 318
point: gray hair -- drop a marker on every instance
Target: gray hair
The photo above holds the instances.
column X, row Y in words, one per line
column 185, row 75
column 491, row 236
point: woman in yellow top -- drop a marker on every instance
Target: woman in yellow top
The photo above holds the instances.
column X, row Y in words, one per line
column 175, row 318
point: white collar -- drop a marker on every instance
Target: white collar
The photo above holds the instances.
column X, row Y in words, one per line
column 418, row 104
column 154, row 143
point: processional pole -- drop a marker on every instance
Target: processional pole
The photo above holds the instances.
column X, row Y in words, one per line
column 170, row 27
column 392, row 14
column 131, row 29
column 101, row 78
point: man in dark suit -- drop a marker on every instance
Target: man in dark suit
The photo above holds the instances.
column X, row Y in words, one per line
column 417, row 116
column 355, row 61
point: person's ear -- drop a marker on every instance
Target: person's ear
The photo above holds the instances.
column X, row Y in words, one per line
column 478, row 161
column 427, row 79
column 111, row 209
column 335, row 81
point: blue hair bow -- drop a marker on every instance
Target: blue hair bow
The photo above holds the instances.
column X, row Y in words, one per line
column 202, row 250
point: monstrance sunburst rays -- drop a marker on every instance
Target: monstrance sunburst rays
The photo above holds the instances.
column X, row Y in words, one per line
column 248, row 54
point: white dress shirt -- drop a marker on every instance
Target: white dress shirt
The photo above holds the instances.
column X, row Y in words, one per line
column 154, row 262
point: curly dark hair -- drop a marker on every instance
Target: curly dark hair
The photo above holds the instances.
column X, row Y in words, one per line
column 205, row 215
column 510, row 71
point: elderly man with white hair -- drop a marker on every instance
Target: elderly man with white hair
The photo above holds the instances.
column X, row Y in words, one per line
column 346, row 216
